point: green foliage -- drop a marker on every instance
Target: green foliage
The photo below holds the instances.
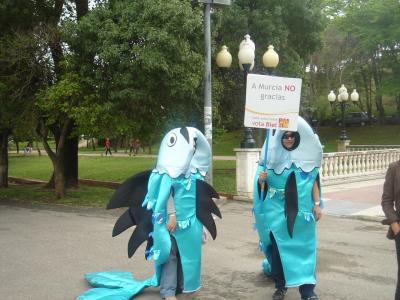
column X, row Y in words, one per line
column 362, row 51
column 20, row 78
column 293, row 27
column 144, row 69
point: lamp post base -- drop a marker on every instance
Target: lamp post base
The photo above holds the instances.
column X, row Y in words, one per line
column 248, row 140
column 342, row 145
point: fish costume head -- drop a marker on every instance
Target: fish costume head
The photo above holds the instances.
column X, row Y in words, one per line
column 305, row 154
column 183, row 151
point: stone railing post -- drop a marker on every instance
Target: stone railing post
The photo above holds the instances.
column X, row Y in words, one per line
column 246, row 166
column 343, row 145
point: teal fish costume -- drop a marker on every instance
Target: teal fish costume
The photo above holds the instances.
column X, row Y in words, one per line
column 287, row 208
column 183, row 161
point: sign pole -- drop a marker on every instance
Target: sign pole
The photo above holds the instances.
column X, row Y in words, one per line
column 265, row 161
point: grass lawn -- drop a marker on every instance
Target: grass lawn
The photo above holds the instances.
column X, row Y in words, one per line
column 367, row 135
column 35, row 194
column 98, row 168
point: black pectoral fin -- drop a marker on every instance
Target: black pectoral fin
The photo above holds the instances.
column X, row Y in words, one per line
column 125, row 221
column 139, row 236
column 208, row 222
column 291, row 204
column 205, row 206
column 131, row 192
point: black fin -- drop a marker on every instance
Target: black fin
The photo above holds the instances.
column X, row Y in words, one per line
column 185, row 133
column 125, row 221
column 205, row 206
column 131, row 192
column 291, row 203
column 139, row 236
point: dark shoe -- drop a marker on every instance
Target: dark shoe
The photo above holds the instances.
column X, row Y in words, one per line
column 314, row 297
column 279, row 294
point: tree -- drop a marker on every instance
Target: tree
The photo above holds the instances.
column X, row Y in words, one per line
column 59, row 122
column 21, row 72
column 293, row 27
column 362, row 48
column 146, row 66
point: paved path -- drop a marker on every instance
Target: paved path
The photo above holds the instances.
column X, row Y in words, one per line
column 45, row 250
column 360, row 199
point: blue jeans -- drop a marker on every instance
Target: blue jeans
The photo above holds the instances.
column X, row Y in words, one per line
column 171, row 273
column 306, row 290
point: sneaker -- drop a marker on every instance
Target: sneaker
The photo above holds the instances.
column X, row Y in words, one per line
column 279, row 294
column 314, row 297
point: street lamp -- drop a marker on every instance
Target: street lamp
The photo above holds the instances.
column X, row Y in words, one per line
column 342, row 98
column 246, row 58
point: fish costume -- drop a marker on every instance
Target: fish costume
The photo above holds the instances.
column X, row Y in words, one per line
column 287, row 208
column 182, row 163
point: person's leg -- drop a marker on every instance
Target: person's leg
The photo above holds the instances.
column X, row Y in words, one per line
column 169, row 274
column 397, row 241
column 307, row 291
column 179, row 287
column 276, row 265
column 277, row 271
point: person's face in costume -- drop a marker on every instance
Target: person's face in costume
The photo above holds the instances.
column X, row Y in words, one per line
column 288, row 140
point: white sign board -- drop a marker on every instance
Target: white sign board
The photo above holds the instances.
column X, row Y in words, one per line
column 272, row 102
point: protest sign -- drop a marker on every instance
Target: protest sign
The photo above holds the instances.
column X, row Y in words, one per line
column 272, row 102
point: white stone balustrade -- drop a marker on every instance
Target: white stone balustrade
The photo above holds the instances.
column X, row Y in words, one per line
column 338, row 165
column 370, row 147
column 335, row 167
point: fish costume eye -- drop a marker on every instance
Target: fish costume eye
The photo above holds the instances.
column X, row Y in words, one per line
column 171, row 140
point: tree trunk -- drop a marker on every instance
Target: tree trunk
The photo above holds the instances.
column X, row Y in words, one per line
column 37, row 148
column 4, row 159
column 378, row 90
column 71, row 162
column 59, row 178
column 68, row 155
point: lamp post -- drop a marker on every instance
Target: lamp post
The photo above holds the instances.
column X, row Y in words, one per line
column 207, row 74
column 342, row 98
column 246, row 56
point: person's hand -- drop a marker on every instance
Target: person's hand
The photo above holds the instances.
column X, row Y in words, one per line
column 318, row 212
column 395, row 227
column 171, row 223
column 262, row 176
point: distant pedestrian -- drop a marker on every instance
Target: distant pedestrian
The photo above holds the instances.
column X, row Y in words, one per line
column 132, row 147
column 391, row 208
column 137, row 146
column 107, row 146
column 28, row 148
